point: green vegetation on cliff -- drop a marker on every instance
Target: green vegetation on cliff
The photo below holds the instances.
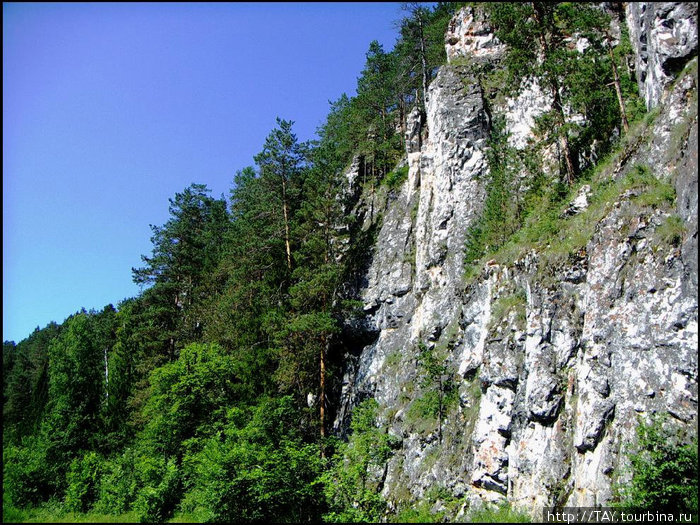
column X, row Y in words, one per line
column 209, row 396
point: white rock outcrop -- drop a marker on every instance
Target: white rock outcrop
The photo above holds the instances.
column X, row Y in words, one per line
column 551, row 363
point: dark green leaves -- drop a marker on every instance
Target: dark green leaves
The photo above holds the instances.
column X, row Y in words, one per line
column 664, row 471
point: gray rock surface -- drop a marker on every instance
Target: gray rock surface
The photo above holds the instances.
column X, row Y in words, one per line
column 552, row 362
column 664, row 36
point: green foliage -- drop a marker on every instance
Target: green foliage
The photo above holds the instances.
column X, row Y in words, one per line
column 422, row 414
column 186, row 245
column 635, row 107
column 118, row 484
column 51, row 514
column 371, row 124
column 671, row 231
column 351, row 485
column 557, row 237
column 421, row 48
column 160, row 491
column 656, row 193
column 502, row 513
column 192, row 397
column 26, row 382
column 439, row 390
column 503, row 208
column 26, row 481
column 422, row 511
column 83, row 479
column 392, row 360
column 76, row 392
column 188, row 396
column 257, row 469
column 577, row 82
column 186, row 249
column 664, row 471
column 508, row 303
column 394, row 179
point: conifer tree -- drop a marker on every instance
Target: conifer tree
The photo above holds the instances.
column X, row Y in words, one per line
column 541, row 43
column 76, row 391
column 280, row 163
column 314, row 299
column 185, row 249
column 375, row 101
column 415, row 44
column 25, row 377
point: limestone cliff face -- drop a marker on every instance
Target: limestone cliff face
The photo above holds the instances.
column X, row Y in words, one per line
column 552, row 359
column 665, row 37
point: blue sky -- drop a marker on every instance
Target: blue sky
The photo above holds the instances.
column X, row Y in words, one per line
column 110, row 109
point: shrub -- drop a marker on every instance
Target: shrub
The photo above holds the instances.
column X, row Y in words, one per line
column 395, row 178
column 26, row 481
column 419, row 513
column 664, row 471
column 422, row 511
column 118, row 485
column 351, row 484
column 83, row 481
column 257, row 469
column 503, row 513
column 160, row 494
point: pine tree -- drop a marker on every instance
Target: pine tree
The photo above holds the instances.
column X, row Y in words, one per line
column 375, row 101
column 185, row 249
column 25, row 377
column 540, row 39
column 280, row 163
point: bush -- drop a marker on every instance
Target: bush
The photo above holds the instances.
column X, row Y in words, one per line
column 83, row 480
column 395, row 178
column 118, row 485
column 352, row 485
column 503, row 513
column 26, row 481
column 664, row 471
column 157, row 499
column 257, row 469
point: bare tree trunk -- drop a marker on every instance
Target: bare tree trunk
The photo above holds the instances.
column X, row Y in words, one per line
column 106, row 374
column 424, row 65
column 440, row 396
column 618, row 90
column 286, row 223
column 322, row 395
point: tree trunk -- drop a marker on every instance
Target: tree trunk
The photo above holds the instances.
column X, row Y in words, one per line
column 563, row 139
column 424, row 63
column 322, row 395
column 286, row 223
column 567, row 156
column 618, row 90
column 440, row 396
column 106, row 374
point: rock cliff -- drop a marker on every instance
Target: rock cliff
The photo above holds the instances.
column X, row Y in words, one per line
column 550, row 358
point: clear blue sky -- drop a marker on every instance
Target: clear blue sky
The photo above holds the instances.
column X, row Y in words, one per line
column 110, row 109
